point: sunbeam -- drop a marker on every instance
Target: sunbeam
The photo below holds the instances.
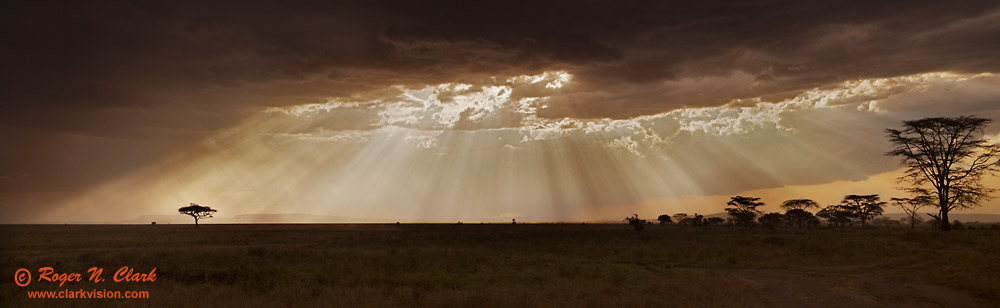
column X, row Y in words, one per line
column 482, row 152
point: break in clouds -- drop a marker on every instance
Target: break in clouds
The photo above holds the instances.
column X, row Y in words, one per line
column 540, row 108
column 482, row 152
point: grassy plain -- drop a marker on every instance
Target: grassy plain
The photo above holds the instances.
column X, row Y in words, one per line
column 544, row 265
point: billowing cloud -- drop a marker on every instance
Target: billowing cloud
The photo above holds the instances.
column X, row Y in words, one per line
column 472, row 151
column 94, row 92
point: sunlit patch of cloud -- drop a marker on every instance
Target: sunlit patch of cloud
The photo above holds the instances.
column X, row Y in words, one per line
column 425, row 141
column 626, row 143
column 552, row 80
column 302, row 110
column 341, row 158
column 514, row 103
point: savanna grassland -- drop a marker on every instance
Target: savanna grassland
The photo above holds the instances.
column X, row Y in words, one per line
column 544, row 265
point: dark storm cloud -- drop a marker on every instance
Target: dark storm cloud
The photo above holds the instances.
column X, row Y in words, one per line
column 144, row 78
column 84, row 56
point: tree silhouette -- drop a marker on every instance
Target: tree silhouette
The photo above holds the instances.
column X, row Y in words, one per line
column 912, row 205
column 799, row 204
column 935, row 220
column 681, row 218
column 744, row 210
column 197, row 211
column 636, row 223
column 664, row 219
column 947, row 159
column 796, row 213
column 864, row 207
column 697, row 220
column 714, row 221
column 837, row 215
column 772, row 220
column 800, row 218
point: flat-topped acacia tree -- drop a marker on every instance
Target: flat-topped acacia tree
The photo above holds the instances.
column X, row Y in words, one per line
column 863, row 207
column 197, row 211
column 798, row 204
column 796, row 214
column 744, row 210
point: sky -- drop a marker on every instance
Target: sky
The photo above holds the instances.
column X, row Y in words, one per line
column 474, row 111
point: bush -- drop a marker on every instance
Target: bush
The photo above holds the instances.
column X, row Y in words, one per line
column 714, row 221
column 957, row 225
column 636, row 223
column 664, row 219
column 772, row 220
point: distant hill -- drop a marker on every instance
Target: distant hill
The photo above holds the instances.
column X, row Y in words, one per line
column 720, row 215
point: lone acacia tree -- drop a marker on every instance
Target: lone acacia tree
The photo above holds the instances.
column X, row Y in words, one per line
column 946, row 158
column 197, row 211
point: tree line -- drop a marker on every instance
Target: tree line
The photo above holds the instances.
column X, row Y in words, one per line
column 946, row 160
column 853, row 210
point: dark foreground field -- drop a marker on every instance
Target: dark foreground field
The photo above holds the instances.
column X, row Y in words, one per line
column 511, row 266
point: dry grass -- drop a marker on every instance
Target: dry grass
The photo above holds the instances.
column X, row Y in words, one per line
column 481, row 265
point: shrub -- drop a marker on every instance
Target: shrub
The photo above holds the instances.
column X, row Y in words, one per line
column 714, row 221
column 957, row 225
column 664, row 219
column 636, row 223
column 772, row 220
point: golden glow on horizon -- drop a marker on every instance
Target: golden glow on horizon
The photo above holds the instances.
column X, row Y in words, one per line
column 481, row 152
